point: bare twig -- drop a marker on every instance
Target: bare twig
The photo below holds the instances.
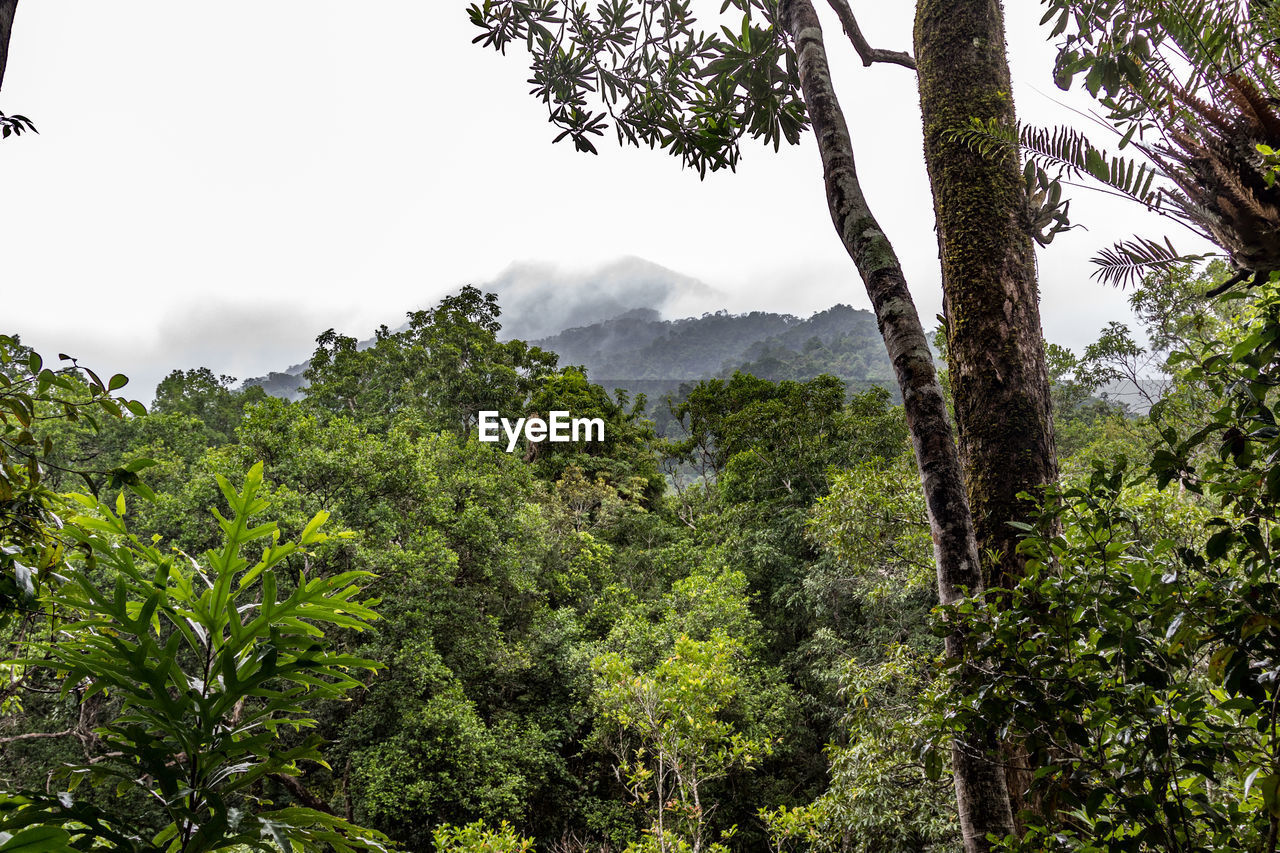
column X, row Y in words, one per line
column 35, row 736
column 304, row 796
column 868, row 53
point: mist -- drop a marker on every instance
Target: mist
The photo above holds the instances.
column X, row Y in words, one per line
column 539, row 300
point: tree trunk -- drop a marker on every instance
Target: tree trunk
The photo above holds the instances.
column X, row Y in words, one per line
column 7, row 9
column 998, row 379
column 980, row 786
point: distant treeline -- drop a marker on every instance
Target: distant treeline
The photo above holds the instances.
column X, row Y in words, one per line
column 641, row 353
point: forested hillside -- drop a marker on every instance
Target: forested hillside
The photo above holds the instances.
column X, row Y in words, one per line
column 639, row 344
column 641, row 353
column 530, row 607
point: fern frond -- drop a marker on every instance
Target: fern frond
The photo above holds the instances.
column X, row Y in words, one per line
column 988, row 139
column 1069, row 152
column 1128, row 260
column 1073, row 152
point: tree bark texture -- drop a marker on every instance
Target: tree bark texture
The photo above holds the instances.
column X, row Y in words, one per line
column 998, row 379
column 999, row 383
column 980, row 785
column 7, row 9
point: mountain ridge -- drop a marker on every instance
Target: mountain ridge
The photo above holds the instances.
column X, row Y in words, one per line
column 639, row 346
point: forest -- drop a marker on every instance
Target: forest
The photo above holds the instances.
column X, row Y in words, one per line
column 638, row 352
column 972, row 604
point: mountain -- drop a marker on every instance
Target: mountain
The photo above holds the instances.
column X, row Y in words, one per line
column 639, row 344
column 610, row 321
column 640, row 353
column 539, row 300
column 288, row 384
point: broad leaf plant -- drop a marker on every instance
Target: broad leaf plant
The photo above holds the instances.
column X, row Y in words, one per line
column 213, row 661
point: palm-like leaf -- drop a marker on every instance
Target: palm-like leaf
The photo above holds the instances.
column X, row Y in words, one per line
column 1128, row 261
column 212, row 663
column 1067, row 151
column 1196, row 79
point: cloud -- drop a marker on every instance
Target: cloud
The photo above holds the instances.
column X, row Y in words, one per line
column 237, row 339
column 539, row 300
column 244, row 338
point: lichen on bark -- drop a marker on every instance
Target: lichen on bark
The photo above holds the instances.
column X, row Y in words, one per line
column 999, row 383
column 990, row 297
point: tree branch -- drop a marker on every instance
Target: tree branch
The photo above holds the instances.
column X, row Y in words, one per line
column 35, row 736
column 307, row 798
column 868, row 53
column 7, row 9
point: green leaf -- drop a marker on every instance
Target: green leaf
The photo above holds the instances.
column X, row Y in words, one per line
column 281, row 661
column 310, row 533
column 140, row 464
column 38, row 839
column 1269, row 788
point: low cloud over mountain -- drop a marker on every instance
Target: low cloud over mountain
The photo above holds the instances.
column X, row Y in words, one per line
column 539, row 300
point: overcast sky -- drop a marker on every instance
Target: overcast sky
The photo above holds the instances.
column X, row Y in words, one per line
column 217, row 183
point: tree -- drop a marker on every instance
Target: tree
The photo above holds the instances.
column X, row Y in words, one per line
column 991, row 299
column 478, row 838
column 13, row 125
column 999, row 380
column 980, row 785
column 769, row 450
column 685, row 706
column 1191, row 85
column 879, row 798
column 480, row 709
column 209, row 398
column 661, row 82
column 1137, row 659
column 624, row 459
column 447, row 365
column 682, row 745
column 32, row 397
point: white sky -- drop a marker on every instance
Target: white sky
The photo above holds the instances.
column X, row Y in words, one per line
column 216, row 183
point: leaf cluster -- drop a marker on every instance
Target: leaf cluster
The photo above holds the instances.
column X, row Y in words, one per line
column 1135, row 665
column 212, row 663
column 647, row 68
column 15, row 125
column 32, row 395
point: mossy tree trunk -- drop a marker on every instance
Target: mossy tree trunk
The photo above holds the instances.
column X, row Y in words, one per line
column 980, row 785
column 999, row 383
column 998, row 377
